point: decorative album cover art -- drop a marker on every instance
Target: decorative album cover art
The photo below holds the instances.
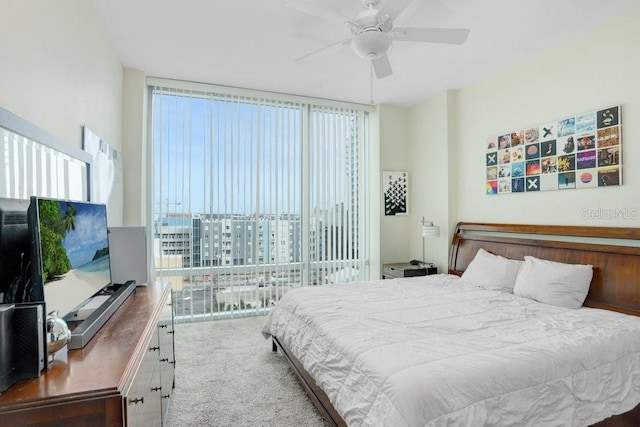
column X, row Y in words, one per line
column 549, row 165
column 586, row 178
column 532, row 151
column 609, row 156
column 566, row 144
column 395, row 186
column 547, row 132
column 517, row 169
column 608, row 176
column 492, row 159
column 532, row 183
column 608, row 137
column 586, row 142
column 517, row 138
column 567, row 163
column 586, row 123
column 566, row 180
column 608, row 117
column 533, row 167
column 586, row 159
column 504, row 141
column 517, row 185
column 492, row 144
column 492, row 187
column 548, row 148
column 581, row 151
column 504, row 156
column 492, row 173
column 517, row 153
column 531, row 135
column 567, row 127
column 504, row 185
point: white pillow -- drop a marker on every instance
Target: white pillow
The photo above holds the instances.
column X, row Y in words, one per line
column 555, row 283
column 492, row 272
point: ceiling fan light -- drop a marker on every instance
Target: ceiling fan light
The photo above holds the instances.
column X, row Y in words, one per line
column 371, row 44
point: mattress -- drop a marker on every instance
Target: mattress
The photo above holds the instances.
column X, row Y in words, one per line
column 435, row 351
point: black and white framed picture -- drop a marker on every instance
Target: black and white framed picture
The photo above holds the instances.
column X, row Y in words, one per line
column 395, row 187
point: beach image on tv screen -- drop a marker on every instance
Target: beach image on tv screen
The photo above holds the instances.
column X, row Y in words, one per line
column 75, row 252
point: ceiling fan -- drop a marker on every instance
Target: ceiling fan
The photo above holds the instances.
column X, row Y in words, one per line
column 372, row 30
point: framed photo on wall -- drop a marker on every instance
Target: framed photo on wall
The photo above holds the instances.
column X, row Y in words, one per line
column 395, row 188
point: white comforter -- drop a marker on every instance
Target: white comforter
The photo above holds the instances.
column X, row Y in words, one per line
column 433, row 351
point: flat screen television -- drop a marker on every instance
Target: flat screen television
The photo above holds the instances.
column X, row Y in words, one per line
column 71, row 261
column 73, row 250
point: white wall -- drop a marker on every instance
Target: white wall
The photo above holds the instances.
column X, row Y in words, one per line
column 594, row 71
column 59, row 71
column 394, row 136
column 434, row 176
column 449, row 131
column 134, row 134
column 447, row 135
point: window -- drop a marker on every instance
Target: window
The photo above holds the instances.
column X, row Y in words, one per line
column 225, row 160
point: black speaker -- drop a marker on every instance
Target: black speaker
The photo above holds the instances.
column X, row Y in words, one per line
column 7, row 367
column 29, row 351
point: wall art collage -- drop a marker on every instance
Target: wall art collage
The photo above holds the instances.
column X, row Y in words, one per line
column 583, row 151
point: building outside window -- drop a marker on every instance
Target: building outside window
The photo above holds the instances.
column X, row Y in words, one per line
column 293, row 170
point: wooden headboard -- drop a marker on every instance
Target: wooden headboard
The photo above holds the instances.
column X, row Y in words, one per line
column 616, row 266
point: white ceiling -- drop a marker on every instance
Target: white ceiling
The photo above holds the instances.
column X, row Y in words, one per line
column 254, row 43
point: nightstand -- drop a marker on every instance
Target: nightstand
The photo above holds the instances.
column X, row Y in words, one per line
column 405, row 269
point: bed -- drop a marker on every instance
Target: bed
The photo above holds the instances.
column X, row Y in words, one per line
column 456, row 353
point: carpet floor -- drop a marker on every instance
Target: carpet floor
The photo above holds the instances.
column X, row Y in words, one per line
column 227, row 375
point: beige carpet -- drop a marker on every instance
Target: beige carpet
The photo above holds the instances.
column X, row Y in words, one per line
column 227, row 375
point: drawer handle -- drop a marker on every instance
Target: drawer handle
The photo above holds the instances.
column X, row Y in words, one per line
column 136, row 400
column 163, row 326
column 166, row 396
column 166, row 359
column 156, row 389
column 154, row 348
column 171, row 332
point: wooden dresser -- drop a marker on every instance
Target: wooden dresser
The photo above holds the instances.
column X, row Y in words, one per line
column 123, row 377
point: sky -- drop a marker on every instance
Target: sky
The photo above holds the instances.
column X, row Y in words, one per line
column 89, row 235
column 233, row 157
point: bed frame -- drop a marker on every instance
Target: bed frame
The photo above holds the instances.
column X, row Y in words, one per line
column 615, row 285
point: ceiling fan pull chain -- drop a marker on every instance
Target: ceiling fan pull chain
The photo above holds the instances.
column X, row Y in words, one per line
column 371, row 79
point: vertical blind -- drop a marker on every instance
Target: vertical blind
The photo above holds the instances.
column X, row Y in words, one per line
column 253, row 197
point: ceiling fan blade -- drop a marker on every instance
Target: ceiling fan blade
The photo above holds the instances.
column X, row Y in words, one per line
column 436, row 10
column 410, row 8
column 394, row 8
column 313, row 9
column 382, row 66
column 431, row 35
column 324, row 51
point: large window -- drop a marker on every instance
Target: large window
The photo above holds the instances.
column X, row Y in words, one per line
column 254, row 196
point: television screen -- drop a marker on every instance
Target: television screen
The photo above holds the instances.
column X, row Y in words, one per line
column 71, row 251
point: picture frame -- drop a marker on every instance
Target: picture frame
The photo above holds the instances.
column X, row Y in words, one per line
column 395, row 189
column 581, row 151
